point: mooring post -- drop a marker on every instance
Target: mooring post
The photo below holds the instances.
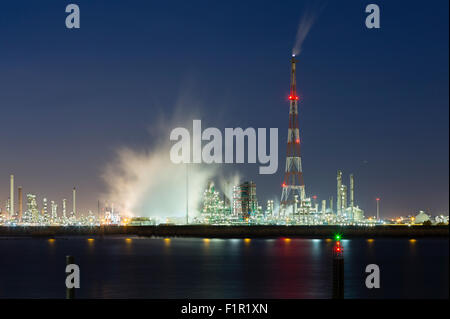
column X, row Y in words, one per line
column 338, row 271
column 70, row 292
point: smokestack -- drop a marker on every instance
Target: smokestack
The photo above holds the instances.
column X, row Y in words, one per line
column 352, row 198
column 19, row 190
column 324, row 206
column 74, row 193
column 11, row 196
column 331, row 204
column 53, row 209
column 344, row 197
column 64, row 207
column 339, row 186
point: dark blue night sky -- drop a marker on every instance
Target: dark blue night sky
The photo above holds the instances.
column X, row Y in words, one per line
column 375, row 102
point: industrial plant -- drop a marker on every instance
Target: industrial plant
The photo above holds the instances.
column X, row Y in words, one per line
column 241, row 208
column 295, row 208
column 244, row 208
column 47, row 214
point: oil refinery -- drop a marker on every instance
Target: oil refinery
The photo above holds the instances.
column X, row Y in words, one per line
column 240, row 208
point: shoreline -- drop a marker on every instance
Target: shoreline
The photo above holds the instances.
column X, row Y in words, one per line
column 209, row 231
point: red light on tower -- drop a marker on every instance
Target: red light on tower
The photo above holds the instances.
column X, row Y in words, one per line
column 378, row 199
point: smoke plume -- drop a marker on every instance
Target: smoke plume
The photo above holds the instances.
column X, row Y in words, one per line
column 226, row 185
column 310, row 13
column 144, row 182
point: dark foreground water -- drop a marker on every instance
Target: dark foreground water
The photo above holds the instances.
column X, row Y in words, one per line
column 123, row 267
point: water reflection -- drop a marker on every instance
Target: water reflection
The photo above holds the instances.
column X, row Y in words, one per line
column 316, row 247
column 90, row 242
column 124, row 267
column 51, row 244
column 412, row 246
column 206, row 242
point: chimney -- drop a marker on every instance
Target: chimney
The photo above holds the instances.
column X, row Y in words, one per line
column 352, row 194
column 11, row 197
column 19, row 190
column 74, row 195
column 339, row 195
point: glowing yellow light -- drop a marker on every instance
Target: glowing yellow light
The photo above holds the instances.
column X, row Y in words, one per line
column 90, row 240
column 287, row 240
column 412, row 240
column 166, row 239
column 329, row 239
column 247, row 240
column 370, row 240
column 51, row 240
column 128, row 240
column 206, row 240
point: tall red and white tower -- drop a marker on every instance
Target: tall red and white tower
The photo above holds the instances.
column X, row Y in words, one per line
column 293, row 177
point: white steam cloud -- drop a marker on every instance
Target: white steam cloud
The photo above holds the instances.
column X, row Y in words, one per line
column 226, row 185
column 307, row 20
column 148, row 184
column 145, row 183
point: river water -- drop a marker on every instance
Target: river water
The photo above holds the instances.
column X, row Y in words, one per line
column 133, row 267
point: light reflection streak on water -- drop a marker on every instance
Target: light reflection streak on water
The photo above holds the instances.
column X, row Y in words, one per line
column 264, row 269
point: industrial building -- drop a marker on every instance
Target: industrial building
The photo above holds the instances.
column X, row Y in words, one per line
column 347, row 210
column 245, row 203
column 214, row 210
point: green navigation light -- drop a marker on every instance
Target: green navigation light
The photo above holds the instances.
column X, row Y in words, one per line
column 337, row 237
